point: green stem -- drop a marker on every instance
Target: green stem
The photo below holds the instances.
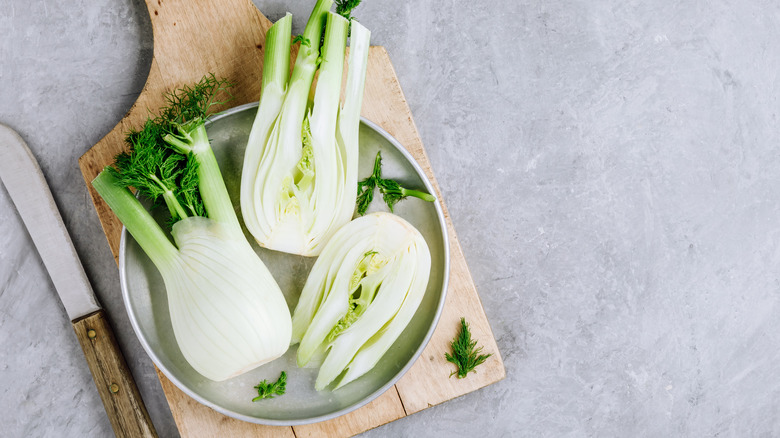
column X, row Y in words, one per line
column 276, row 70
column 276, row 60
column 377, row 174
column 215, row 196
column 177, row 211
column 136, row 219
column 418, row 194
column 292, row 113
column 306, row 62
column 328, row 92
column 178, row 144
column 313, row 29
column 348, row 124
column 349, row 116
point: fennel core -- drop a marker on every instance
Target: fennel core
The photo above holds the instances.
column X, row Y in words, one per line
column 391, row 191
column 363, row 286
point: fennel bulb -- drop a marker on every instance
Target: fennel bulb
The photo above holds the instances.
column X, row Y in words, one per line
column 300, row 165
column 227, row 312
column 360, row 295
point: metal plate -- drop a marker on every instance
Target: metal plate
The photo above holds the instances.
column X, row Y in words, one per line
column 147, row 304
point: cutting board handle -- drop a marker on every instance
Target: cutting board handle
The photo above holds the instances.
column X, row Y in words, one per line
column 193, row 38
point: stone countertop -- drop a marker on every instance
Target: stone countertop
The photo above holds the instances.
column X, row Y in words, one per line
column 612, row 169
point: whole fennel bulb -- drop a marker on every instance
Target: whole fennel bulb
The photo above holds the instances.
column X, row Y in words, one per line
column 227, row 312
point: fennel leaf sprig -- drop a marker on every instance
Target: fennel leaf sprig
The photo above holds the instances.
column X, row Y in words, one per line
column 391, row 191
column 266, row 389
column 160, row 163
column 194, row 102
column 301, row 39
column 159, row 172
column 345, row 7
column 465, row 354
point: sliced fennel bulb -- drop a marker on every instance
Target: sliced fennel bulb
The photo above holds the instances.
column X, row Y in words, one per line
column 227, row 312
column 360, row 295
column 300, row 165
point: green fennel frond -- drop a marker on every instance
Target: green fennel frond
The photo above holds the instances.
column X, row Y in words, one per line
column 195, row 102
column 266, row 389
column 159, row 163
column 301, row 39
column 345, row 7
column 392, row 192
column 465, row 353
column 188, row 187
column 365, row 196
column 365, row 193
column 148, row 166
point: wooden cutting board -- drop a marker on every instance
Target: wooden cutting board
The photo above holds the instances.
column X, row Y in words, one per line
column 226, row 37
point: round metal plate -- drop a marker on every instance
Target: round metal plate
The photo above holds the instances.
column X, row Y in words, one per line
column 147, row 304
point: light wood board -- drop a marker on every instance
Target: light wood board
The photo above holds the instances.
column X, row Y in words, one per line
column 226, row 37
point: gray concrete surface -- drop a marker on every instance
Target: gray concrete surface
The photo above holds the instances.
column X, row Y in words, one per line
column 612, row 169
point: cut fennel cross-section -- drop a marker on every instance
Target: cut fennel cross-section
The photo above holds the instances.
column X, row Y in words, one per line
column 360, row 295
column 300, row 165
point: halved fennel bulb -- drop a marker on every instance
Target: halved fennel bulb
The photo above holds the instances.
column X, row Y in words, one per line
column 299, row 176
column 362, row 292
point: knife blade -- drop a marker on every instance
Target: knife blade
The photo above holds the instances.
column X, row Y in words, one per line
column 27, row 187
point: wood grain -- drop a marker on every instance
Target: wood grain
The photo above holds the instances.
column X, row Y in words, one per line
column 228, row 42
column 195, row 420
column 112, row 377
column 383, row 409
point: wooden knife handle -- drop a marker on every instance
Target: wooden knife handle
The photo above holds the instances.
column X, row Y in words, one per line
column 114, row 382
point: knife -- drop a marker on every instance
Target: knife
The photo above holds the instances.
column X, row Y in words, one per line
column 27, row 187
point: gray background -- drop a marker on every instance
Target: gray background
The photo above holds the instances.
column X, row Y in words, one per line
column 611, row 168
